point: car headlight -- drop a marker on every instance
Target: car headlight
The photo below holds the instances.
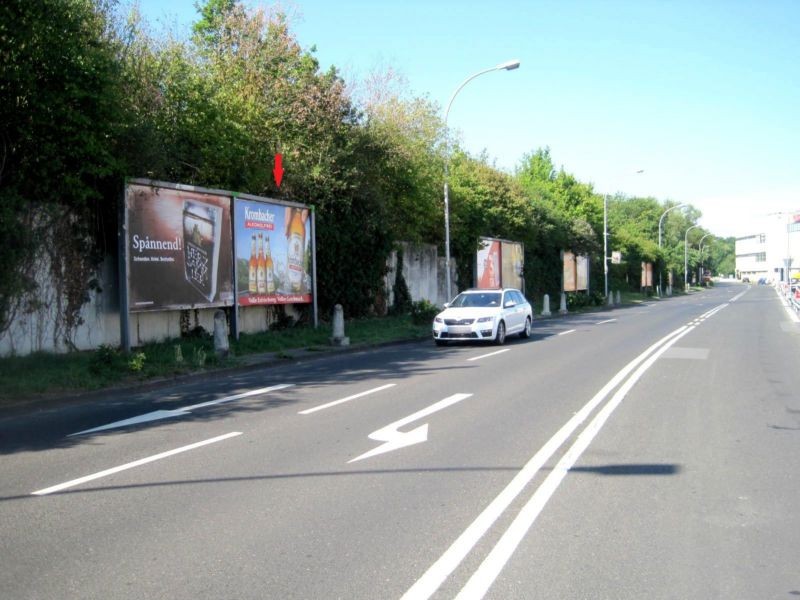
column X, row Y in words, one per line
column 485, row 319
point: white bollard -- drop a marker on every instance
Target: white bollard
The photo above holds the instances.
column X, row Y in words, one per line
column 546, row 306
column 562, row 310
column 339, row 339
column 610, row 299
column 618, row 299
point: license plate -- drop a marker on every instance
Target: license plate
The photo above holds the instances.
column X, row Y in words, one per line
column 459, row 329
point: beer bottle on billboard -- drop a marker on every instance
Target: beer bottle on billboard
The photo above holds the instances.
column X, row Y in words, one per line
column 252, row 285
column 269, row 267
column 297, row 244
column 261, row 264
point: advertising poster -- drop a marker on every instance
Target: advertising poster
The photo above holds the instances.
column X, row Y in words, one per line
column 273, row 253
column 512, row 257
column 489, row 264
column 647, row 275
column 582, row 264
column 570, row 278
column 178, row 248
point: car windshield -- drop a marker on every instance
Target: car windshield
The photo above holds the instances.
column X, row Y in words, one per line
column 482, row 299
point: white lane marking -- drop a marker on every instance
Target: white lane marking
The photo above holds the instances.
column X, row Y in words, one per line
column 739, row 295
column 343, row 400
column 568, row 331
column 179, row 412
column 430, row 581
column 394, row 439
column 131, row 465
column 606, row 321
column 490, row 568
column 487, row 355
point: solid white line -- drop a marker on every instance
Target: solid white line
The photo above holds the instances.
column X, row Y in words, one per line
column 569, row 331
column 131, row 465
column 490, row 568
column 606, row 321
column 343, row 400
column 257, row 392
column 430, row 581
column 487, row 355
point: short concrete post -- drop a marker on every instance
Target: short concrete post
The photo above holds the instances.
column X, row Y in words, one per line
column 610, row 299
column 562, row 310
column 546, row 306
column 339, row 339
column 618, row 299
column 221, row 346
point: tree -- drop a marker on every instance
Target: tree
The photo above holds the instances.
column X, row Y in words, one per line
column 60, row 116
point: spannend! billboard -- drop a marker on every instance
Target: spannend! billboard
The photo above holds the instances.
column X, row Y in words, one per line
column 178, row 247
column 273, row 252
column 499, row 264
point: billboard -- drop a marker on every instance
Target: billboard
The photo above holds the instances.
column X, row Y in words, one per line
column 499, row 264
column 575, row 272
column 273, row 252
column 178, row 248
column 489, row 264
column 647, row 275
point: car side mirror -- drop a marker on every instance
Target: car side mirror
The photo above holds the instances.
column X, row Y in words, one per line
column 509, row 304
column 446, row 305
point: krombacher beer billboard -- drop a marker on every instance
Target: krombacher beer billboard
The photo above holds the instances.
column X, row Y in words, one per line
column 188, row 247
column 273, row 252
column 178, row 248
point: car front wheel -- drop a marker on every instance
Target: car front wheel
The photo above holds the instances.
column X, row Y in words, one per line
column 500, row 338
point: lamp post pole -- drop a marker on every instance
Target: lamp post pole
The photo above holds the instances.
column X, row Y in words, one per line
column 506, row 66
column 700, row 247
column 686, row 258
column 606, row 257
column 660, row 221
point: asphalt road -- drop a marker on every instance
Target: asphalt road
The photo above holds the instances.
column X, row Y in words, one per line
column 644, row 452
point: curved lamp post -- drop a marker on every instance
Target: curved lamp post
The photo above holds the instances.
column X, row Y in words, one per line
column 700, row 247
column 686, row 258
column 506, row 66
column 660, row 221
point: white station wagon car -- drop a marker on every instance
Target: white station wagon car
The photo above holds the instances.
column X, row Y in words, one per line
column 488, row 315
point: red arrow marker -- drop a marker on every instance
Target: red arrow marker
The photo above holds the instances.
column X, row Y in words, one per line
column 278, row 170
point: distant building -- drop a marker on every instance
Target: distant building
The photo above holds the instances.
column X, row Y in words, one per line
column 765, row 254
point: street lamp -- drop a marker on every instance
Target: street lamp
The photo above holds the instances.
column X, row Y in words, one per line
column 660, row 221
column 700, row 247
column 506, row 66
column 605, row 238
column 686, row 258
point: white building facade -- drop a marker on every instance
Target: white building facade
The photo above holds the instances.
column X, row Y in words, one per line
column 773, row 253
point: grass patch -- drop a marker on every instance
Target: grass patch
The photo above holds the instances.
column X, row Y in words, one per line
column 46, row 373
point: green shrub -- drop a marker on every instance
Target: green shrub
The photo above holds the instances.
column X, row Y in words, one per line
column 423, row 312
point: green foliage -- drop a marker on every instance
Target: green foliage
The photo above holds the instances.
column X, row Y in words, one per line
column 136, row 362
column 60, row 114
column 423, row 312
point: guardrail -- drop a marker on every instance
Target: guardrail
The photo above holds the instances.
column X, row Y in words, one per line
column 792, row 294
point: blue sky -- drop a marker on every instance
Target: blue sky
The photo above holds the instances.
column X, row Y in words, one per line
column 704, row 96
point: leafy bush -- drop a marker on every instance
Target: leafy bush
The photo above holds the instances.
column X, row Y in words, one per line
column 423, row 312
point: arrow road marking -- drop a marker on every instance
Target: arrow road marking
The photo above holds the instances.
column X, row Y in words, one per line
column 394, row 439
column 168, row 414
